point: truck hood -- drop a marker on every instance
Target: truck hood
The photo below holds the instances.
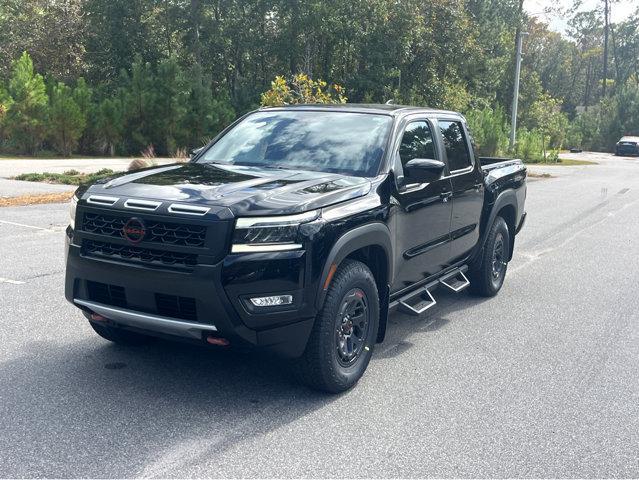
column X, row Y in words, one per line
column 244, row 190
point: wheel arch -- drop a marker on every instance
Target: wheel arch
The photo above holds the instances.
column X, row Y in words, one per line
column 505, row 206
column 371, row 245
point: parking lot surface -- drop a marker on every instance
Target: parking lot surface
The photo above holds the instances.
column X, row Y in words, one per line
column 542, row 380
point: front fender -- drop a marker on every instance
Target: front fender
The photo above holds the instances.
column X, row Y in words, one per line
column 371, row 234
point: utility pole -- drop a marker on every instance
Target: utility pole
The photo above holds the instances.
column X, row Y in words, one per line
column 605, row 52
column 513, row 120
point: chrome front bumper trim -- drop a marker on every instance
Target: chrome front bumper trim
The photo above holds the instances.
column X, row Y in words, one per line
column 148, row 321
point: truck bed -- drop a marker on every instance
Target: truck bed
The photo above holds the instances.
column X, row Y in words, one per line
column 490, row 163
column 501, row 174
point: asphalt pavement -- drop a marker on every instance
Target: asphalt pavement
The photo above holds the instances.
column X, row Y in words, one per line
column 540, row 381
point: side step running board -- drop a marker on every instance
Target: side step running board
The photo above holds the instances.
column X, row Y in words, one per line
column 455, row 280
column 424, row 299
column 421, row 299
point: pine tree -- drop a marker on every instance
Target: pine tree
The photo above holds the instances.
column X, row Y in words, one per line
column 139, row 97
column 205, row 116
column 66, row 121
column 110, row 124
column 27, row 106
column 168, row 87
column 83, row 96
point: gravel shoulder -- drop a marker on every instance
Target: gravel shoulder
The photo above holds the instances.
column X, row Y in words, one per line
column 12, row 167
column 17, row 188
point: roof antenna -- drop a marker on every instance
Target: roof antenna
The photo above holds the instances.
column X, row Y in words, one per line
column 389, row 102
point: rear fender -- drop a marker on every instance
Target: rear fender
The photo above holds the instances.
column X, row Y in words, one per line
column 504, row 199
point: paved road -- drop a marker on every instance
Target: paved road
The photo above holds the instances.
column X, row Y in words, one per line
column 542, row 380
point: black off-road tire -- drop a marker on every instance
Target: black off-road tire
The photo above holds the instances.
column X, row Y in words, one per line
column 119, row 335
column 322, row 366
column 488, row 274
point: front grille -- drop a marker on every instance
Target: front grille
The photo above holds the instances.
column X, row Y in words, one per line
column 107, row 294
column 129, row 253
column 156, row 232
column 174, row 306
column 166, row 305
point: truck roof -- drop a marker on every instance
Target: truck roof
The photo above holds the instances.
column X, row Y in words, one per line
column 375, row 108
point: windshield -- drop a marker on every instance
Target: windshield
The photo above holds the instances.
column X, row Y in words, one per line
column 336, row 142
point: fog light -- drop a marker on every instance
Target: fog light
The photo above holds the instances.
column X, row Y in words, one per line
column 272, row 301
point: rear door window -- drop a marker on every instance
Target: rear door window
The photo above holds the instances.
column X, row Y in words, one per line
column 455, row 144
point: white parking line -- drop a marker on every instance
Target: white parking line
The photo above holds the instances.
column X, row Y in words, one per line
column 13, row 282
column 27, row 226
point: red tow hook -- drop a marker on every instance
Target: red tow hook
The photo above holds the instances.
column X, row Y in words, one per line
column 220, row 342
column 96, row 317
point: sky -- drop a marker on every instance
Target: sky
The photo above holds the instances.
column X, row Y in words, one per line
column 618, row 10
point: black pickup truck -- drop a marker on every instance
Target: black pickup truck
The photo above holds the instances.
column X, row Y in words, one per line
column 296, row 230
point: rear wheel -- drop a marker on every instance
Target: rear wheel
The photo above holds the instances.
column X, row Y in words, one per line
column 487, row 276
column 341, row 342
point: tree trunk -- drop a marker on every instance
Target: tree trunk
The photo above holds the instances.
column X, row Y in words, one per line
column 605, row 52
column 614, row 55
column 517, row 33
column 195, row 26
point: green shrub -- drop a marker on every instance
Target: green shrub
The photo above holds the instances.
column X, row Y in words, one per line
column 529, row 146
column 70, row 177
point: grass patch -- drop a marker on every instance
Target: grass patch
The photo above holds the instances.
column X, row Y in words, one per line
column 563, row 162
column 70, row 177
column 35, row 199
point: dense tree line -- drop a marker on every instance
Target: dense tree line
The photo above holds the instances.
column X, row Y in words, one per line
column 114, row 76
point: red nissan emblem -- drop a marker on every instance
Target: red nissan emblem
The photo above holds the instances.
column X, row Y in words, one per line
column 134, row 230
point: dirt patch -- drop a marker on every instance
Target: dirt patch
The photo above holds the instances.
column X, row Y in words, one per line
column 539, row 175
column 36, row 199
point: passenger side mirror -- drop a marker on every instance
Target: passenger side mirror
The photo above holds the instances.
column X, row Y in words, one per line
column 423, row 170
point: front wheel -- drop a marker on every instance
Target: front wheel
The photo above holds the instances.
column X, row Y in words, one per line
column 341, row 342
column 487, row 276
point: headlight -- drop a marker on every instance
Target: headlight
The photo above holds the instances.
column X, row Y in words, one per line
column 72, row 208
column 269, row 234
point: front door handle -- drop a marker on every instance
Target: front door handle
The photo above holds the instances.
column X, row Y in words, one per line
column 445, row 196
column 478, row 186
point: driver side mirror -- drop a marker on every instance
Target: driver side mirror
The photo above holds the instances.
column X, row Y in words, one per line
column 423, row 170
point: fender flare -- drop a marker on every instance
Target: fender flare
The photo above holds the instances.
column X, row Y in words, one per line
column 504, row 199
column 371, row 234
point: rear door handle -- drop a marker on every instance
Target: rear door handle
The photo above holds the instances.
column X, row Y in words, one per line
column 445, row 196
column 478, row 186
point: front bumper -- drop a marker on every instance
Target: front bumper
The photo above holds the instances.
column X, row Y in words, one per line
column 219, row 292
